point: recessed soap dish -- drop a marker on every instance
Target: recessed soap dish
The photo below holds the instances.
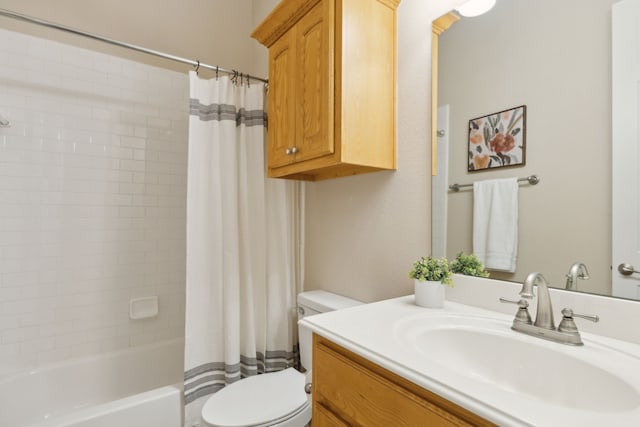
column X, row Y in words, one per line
column 143, row 308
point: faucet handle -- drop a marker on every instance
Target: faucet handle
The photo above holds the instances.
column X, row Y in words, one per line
column 520, row 303
column 568, row 325
column 523, row 313
column 567, row 312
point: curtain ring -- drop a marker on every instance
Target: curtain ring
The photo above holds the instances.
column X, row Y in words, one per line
column 216, row 72
column 197, row 66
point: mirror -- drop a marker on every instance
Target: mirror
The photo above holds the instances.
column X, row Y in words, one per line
column 555, row 58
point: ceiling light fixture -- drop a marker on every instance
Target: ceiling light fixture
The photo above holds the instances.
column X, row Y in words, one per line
column 475, row 7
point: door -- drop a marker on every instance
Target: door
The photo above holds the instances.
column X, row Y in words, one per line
column 626, row 147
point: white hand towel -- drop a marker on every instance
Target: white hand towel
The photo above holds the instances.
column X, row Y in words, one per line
column 495, row 223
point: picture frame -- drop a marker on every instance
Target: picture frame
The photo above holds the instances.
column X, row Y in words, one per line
column 498, row 140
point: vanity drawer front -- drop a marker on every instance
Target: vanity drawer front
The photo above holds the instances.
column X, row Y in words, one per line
column 361, row 393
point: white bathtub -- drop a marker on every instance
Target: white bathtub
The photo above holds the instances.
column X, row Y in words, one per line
column 137, row 387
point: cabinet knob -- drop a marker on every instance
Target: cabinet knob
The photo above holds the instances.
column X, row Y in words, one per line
column 287, row 151
column 294, row 150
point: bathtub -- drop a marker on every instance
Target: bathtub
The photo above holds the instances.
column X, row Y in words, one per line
column 135, row 387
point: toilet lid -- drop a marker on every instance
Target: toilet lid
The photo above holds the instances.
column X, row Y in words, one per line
column 256, row 400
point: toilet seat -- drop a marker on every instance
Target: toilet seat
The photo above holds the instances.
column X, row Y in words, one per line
column 260, row 400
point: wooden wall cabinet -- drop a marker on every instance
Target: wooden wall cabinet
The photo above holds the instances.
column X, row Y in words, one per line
column 349, row 390
column 332, row 87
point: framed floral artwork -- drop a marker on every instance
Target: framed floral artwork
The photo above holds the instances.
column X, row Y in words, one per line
column 498, row 140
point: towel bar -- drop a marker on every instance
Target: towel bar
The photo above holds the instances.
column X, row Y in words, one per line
column 532, row 179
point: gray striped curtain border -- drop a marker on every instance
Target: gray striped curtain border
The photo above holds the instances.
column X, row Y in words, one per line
column 209, row 378
column 222, row 112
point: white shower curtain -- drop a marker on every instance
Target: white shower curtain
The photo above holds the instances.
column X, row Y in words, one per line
column 242, row 231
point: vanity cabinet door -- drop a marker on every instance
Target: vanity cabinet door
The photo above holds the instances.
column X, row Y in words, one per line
column 358, row 392
column 323, row 417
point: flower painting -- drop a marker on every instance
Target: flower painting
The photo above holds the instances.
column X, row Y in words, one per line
column 497, row 140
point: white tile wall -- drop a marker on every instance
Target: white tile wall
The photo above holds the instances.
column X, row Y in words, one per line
column 92, row 201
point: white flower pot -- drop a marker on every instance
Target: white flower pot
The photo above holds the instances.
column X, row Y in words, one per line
column 429, row 293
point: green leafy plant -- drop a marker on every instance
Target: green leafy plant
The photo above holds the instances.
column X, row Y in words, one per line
column 469, row 265
column 432, row 269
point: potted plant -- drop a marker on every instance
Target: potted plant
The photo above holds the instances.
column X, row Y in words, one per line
column 469, row 265
column 429, row 275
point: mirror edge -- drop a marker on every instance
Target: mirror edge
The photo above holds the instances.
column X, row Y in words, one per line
column 438, row 26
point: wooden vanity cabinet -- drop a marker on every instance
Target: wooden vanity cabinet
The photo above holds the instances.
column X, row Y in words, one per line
column 332, row 87
column 349, row 390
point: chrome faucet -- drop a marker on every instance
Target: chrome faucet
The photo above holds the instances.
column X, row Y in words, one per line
column 577, row 271
column 544, row 311
column 544, row 326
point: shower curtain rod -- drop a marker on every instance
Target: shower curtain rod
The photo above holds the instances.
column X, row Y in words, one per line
column 196, row 63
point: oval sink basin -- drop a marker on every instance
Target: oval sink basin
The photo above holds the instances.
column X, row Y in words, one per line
column 488, row 351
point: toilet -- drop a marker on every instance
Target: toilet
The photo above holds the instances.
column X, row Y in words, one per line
column 275, row 399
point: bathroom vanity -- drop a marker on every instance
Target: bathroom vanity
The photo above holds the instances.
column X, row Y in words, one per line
column 394, row 363
column 351, row 390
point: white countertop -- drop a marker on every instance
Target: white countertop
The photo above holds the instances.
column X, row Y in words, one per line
column 371, row 331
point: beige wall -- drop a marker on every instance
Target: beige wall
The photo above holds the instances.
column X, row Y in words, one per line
column 215, row 32
column 363, row 232
column 512, row 56
column 260, row 10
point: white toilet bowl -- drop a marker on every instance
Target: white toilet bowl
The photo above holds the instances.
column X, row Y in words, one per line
column 275, row 399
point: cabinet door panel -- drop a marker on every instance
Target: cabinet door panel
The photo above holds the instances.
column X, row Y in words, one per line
column 314, row 82
column 323, row 417
column 357, row 392
column 281, row 131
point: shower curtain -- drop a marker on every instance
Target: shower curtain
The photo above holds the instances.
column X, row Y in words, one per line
column 243, row 266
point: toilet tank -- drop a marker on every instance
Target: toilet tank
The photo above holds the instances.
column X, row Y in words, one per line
column 316, row 302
